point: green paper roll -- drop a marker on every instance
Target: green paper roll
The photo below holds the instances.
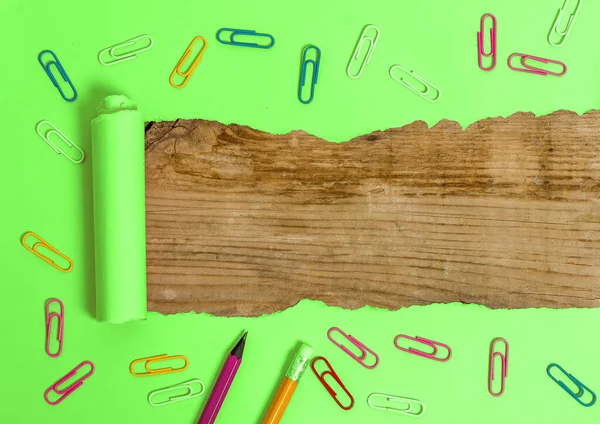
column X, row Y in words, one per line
column 119, row 211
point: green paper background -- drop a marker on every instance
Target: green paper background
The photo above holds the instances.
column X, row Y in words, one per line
column 45, row 193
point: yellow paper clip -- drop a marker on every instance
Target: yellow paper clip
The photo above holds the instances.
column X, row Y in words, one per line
column 53, row 130
column 42, row 243
column 187, row 74
column 158, row 358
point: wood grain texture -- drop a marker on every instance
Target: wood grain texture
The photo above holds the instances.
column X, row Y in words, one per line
column 504, row 214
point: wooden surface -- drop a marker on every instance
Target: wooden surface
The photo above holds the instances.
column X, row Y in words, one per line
column 505, row 214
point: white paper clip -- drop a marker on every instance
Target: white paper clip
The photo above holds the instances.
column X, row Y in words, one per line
column 413, row 407
column 429, row 87
column 128, row 55
column 53, row 130
column 358, row 49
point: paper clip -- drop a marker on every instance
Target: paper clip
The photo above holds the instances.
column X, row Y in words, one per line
column 430, row 343
column 63, row 393
column 315, row 65
column 504, row 359
column 428, row 86
column 533, row 70
column 62, row 72
column 364, row 350
column 53, row 130
column 187, row 74
column 42, row 243
column 60, row 317
column 480, row 41
column 555, row 26
column 122, row 57
column 582, row 388
column 188, row 385
column 246, row 32
column 357, row 50
column 412, row 403
column 158, row 358
column 333, row 375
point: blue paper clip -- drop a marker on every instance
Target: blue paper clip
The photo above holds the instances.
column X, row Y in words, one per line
column 315, row 64
column 579, row 384
column 247, row 32
column 60, row 68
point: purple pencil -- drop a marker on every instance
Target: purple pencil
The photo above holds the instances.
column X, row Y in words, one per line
column 219, row 391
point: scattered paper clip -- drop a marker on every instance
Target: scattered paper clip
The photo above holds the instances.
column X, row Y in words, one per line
column 372, row 40
column 187, row 74
column 188, row 385
column 429, row 87
column 504, row 361
column 411, row 405
column 434, row 345
column 61, row 70
column 480, row 43
column 60, row 318
column 332, row 392
column 42, row 243
column 533, row 70
column 364, row 350
column 582, row 388
column 53, row 130
column 63, row 393
column 128, row 55
column 158, row 358
column 558, row 21
column 315, row 67
column 245, row 32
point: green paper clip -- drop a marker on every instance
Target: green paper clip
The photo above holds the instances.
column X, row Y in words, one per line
column 555, row 26
column 53, row 130
column 396, row 404
column 429, row 87
column 128, row 54
column 188, row 385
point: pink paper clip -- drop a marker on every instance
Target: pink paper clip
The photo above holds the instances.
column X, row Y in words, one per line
column 430, row 343
column 504, row 361
column 63, row 393
column 480, row 41
column 60, row 317
column 332, row 392
column 533, row 70
column 364, row 351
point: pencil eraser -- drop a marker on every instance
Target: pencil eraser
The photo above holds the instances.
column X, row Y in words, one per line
column 305, row 350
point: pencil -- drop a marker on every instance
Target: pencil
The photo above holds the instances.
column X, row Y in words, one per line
column 288, row 385
column 221, row 387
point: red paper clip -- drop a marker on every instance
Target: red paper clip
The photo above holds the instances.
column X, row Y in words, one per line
column 430, row 343
column 480, row 47
column 364, row 351
column 60, row 317
column 533, row 70
column 331, row 391
column 70, row 389
column 504, row 361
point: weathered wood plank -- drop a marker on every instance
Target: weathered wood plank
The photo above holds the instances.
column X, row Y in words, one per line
column 504, row 213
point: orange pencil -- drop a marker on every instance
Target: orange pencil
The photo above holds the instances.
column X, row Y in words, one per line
column 288, row 385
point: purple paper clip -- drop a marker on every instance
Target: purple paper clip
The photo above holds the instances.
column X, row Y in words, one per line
column 60, row 317
column 63, row 393
column 533, row 70
column 480, row 41
column 434, row 345
column 504, row 362
column 364, row 350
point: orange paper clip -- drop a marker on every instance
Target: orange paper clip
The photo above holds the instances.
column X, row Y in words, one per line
column 42, row 243
column 60, row 318
column 158, row 358
column 63, row 393
column 187, row 74
column 504, row 362
column 321, row 376
column 364, row 350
